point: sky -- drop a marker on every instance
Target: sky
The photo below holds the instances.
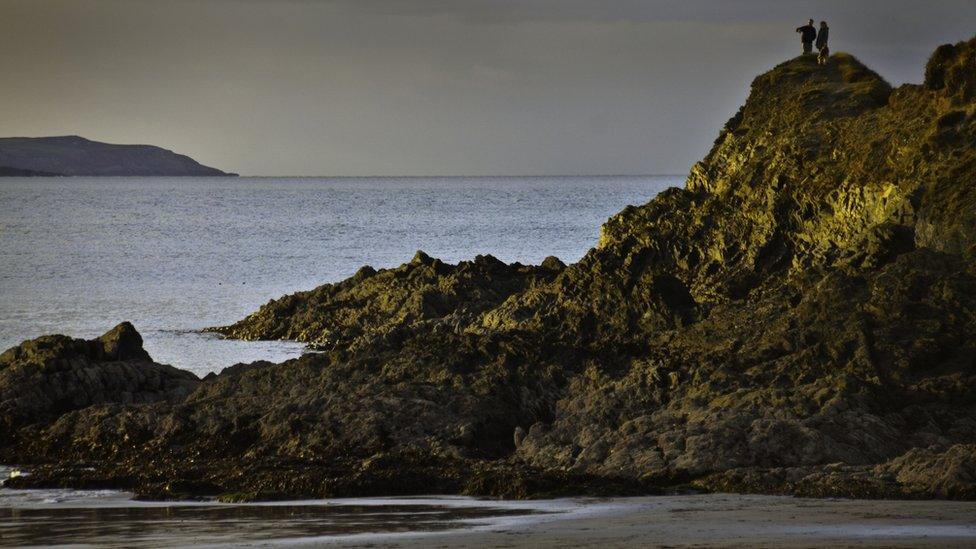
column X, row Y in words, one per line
column 427, row 87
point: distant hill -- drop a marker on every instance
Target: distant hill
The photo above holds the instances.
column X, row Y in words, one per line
column 6, row 171
column 73, row 155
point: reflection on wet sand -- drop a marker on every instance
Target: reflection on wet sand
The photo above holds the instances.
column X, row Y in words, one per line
column 205, row 524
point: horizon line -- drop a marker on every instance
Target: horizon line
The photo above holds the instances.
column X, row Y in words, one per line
column 483, row 176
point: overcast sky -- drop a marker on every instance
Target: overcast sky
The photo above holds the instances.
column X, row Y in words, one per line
column 427, row 87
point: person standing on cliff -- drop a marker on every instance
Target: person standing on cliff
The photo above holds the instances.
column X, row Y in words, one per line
column 807, row 35
column 822, row 44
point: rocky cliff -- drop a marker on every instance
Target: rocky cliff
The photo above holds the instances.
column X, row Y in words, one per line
column 797, row 319
column 73, row 155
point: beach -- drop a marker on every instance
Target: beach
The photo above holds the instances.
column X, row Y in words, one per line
column 113, row 519
column 725, row 520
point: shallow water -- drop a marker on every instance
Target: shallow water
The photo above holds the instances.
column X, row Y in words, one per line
column 173, row 255
column 111, row 519
column 108, row 518
column 175, row 525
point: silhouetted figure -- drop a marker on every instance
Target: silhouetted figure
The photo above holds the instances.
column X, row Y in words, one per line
column 822, row 44
column 807, row 35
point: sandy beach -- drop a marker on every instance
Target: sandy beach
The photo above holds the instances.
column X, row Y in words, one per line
column 113, row 519
column 723, row 520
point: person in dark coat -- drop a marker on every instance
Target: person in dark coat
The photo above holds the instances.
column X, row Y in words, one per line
column 822, row 44
column 807, row 35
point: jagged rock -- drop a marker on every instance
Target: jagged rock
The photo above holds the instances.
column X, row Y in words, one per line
column 947, row 474
column 835, row 292
column 950, row 70
column 919, row 473
column 123, row 343
column 857, row 370
column 798, row 319
column 43, row 378
column 374, row 303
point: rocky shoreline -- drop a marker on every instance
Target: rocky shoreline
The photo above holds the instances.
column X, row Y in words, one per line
column 798, row 319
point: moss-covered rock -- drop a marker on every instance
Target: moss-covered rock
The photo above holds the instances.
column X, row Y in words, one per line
column 373, row 304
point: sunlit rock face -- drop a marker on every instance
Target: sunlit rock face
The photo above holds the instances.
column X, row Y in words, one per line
column 827, row 244
column 798, row 319
column 373, row 303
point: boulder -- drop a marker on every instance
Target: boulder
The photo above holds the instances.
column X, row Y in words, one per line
column 44, row 378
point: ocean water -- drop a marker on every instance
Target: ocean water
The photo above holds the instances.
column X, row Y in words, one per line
column 109, row 518
column 173, row 255
column 104, row 518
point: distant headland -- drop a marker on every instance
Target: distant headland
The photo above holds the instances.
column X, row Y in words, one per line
column 72, row 155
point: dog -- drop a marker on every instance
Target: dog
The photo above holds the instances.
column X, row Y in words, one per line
column 823, row 56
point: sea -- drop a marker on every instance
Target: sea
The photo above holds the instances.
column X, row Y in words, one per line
column 175, row 255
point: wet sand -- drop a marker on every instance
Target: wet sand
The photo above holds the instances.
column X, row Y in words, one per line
column 718, row 520
column 111, row 519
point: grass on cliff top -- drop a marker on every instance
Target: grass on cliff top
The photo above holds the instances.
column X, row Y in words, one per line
column 843, row 82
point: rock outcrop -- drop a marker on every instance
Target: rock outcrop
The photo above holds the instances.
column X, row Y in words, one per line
column 833, row 296
column 798, row 319
column 72, row 155
column 45, row 378
column 374, row 304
